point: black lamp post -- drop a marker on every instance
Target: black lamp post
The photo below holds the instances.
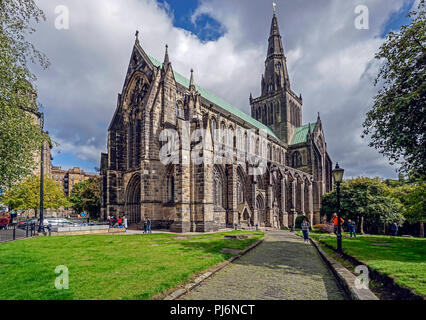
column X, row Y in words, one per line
column 338, row 178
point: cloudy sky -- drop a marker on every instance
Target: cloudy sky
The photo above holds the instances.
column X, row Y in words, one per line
column 331, row 62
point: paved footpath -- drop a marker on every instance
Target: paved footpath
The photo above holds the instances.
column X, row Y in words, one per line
column 282, row 268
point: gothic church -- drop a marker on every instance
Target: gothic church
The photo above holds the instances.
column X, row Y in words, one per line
column 191, row 196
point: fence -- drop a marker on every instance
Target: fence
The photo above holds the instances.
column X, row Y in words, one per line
column 15, row 233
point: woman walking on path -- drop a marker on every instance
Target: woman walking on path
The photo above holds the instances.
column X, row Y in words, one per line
column 125, row 223
column 306, row 226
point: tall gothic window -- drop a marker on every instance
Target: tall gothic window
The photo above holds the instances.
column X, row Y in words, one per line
column 213, row 125
column 170, row 188
column 297, row 160
column 223, row 133
column 240, row 190
column 217, row 188
column 130, row 143
column 180, row 113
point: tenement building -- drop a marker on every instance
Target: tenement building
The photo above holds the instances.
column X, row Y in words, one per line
column 192, row 162
column 68, row 178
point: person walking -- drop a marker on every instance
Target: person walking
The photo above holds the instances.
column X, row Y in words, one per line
column 351, row 228
column 306, row 226
column 125, row 223
column 394, row 229
column 336, row 223
column 149, row 225
column 145, row 226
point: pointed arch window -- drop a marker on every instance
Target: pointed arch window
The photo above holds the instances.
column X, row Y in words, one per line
column 213, row 128
column 297, row 160
column 240, row 189
column 170, row 188
column 217, row 188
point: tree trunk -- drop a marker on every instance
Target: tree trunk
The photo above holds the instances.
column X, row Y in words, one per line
column 422, row 230
column 361, row 231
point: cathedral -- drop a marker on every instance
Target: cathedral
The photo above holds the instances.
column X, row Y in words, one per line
column 192, row 162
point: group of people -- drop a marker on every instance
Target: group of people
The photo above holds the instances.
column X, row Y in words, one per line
column 147, row 225
column 115, row 222
column 351, row 226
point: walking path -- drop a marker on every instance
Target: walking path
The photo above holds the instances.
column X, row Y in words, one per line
column 282, row 268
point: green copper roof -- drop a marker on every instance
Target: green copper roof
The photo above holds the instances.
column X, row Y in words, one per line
column 301, row 134
column 218, row 101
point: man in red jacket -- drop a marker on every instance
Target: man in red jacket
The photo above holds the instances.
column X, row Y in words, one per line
column 336, row 222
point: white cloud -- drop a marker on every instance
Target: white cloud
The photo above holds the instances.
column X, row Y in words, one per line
column 327, row 60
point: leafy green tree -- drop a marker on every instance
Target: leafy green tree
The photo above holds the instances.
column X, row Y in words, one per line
column 366, row 201
column 86, row 197
column 397, row 122
column 20, row 135
column 413, row 200
column 26, row 195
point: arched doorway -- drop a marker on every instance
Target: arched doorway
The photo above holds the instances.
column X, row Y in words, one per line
column 133, row 200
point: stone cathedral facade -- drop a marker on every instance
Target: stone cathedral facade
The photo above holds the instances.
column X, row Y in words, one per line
column 264, row 169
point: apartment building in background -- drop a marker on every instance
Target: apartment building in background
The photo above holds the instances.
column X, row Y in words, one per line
column 69, row 178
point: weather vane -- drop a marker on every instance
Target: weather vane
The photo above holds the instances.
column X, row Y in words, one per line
column 274, row 5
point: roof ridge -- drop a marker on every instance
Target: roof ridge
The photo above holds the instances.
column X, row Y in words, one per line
column 218, row 100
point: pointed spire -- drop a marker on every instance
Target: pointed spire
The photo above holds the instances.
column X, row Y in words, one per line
column 137, row 36
column 275, row 29
column 166, row 56
column 191, row 82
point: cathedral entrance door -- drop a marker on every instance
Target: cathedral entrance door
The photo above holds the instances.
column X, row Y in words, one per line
column 133, row 200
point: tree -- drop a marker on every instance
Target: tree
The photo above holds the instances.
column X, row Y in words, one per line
column 86, row 197
column 26, row 195
column 366, row 201
column 20, row 135
column 396, row 122
column 412, row 197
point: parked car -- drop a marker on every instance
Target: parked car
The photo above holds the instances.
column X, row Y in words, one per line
column 25, row 223
column 58, row 222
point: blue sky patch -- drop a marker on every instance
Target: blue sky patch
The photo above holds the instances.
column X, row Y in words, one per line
column 398, row 19
column 206, row 28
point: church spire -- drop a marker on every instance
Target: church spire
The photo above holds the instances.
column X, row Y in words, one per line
column 191, row 82
column 276, row 73
column 166, row 56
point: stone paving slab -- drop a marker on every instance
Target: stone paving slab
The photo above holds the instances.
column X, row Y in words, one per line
column 282, row 268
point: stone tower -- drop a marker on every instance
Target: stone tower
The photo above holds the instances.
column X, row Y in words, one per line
column 278, row 106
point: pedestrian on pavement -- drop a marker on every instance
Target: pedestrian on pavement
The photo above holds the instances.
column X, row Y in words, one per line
column 120, row 222
column 109, row 221
column 394, row 229
column 306, row 226
column 149, row 225
column 145, row 226
column 125, row 223
column 336, row 223
column 351, row 228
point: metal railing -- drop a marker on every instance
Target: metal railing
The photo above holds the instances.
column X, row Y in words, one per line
column 15, row 232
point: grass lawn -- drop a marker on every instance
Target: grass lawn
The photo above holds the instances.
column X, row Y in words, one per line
column 402, row 258
column 104, row 267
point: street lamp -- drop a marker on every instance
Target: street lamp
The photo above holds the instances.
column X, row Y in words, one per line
column 338, row 178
